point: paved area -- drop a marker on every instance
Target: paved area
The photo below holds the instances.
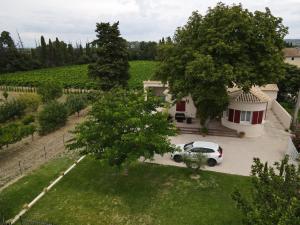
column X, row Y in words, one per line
column 239, row 152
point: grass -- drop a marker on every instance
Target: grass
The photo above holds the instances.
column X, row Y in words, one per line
column 150, row 194
column 27, row 188
column 75, row 76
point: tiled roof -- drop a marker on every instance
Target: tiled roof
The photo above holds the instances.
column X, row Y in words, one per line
column 269, row 87
column 255, row 95
column 291, row 52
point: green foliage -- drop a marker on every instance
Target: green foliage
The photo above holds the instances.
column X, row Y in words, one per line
column 290, row 85
column 31, row 101
column 28, row 119
column 11, row 110
column 275, row 195
column 196, row 162
column 75, row 76
column 5, row 95
column 14, row 132
column 53, row 116
column 224, row 46
column 122, row 127
column 75, row 103
column 50, row 91
column 111, row 66
column 142, row 50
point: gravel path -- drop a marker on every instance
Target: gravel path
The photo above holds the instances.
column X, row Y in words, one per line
column 29, row 154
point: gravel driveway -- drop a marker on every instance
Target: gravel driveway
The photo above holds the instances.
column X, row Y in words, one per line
column 239, row 152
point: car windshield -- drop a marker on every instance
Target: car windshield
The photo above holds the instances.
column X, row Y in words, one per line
column 188, row 146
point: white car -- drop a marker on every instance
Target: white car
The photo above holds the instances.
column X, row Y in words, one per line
column 212, row 151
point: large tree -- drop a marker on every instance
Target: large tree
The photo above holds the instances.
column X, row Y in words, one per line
column 111, row 67
column 122, row 127
column 229, row 45
column 275, row 195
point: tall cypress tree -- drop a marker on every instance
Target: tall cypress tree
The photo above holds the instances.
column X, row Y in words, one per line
column 43, row 52
column 111, row 67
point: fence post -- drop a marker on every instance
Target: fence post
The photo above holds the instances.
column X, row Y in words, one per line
column 45, row 153
column 64, row 139
column 20, row 167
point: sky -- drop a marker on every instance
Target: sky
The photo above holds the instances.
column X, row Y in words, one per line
column 143, row 20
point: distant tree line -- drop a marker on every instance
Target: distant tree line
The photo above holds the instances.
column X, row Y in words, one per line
column 47, row 54
column 142, row 50
column 51, row 53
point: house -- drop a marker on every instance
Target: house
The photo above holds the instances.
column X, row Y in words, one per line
column 246, row 112
column 292, row 56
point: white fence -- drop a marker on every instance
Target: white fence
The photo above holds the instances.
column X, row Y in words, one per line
column 292, row 151
column 283, row 116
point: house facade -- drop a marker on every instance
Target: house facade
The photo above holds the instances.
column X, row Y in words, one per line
column 292, row 56
column 246, row 112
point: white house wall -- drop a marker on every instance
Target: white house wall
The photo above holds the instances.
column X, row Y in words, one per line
column 282, row 115
column 295, row 62
column 190, row 109
column 250, row 130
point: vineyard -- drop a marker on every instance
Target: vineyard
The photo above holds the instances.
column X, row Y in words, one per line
column 75, row 76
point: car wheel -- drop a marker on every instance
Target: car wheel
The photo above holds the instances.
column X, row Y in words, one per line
column 177, row 158
column 211, row 162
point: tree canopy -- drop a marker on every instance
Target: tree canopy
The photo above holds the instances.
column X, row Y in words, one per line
column 122, row 127
column 229, row 45
column 275, row 196
column 111, row 66
column 290, row 85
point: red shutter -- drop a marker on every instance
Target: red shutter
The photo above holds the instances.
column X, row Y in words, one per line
column 237, row 116
column 180, row 106
column 260, row 117
column 254, row 117
column 230, row 115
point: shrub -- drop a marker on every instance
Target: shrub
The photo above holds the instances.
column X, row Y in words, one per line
column 53, row 116
column 14, row 132
column 50, row 91
column 196, row 162
column 11, row 109
column 75, row 103
column 28, row 119
column 31, row 101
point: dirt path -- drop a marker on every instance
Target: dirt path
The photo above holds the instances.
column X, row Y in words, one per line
column 28, row 154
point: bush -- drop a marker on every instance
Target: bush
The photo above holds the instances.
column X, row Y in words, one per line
column 12, row 109
column 14, row 132
column 196, row 162
column 50, row 91
column 31, row 101
column 75, row 103
column 53, row 116
column 28, row 119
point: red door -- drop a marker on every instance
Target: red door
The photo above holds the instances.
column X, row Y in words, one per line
column 237, row 115
column 254, row 117
column 180, row 106
column 230, row 115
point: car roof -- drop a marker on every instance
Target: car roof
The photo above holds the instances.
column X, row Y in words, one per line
column 206, row 144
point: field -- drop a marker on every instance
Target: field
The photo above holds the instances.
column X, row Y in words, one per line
column 151, row 194
column 75, row 76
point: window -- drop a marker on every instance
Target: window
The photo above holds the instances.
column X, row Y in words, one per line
column 245, row 116
column 180, row 106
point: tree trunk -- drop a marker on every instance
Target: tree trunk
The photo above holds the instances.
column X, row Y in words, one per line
column 297, row 107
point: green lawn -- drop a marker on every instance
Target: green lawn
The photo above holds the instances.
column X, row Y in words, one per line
column 150, row 194
column 27, row 188
column 75, row 76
